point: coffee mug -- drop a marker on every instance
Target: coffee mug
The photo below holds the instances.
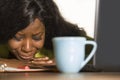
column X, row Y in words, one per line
column 70, row 53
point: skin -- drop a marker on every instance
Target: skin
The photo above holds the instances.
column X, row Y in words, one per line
column 28, row 41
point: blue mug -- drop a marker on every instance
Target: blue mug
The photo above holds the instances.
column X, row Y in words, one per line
column 70, row 53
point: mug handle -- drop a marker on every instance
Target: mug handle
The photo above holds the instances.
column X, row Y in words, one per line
column 91, row 53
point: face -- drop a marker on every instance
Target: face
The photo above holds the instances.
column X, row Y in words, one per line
column 28, row 41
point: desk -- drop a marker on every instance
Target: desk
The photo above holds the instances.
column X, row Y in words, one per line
column 59, row 76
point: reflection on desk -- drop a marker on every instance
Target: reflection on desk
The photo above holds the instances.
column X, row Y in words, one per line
column 59, row 76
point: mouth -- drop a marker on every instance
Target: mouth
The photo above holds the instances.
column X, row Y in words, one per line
column 25, row 57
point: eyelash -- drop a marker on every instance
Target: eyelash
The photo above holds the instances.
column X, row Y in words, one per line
column 20, row 38
column 17, row 38
column 37, row 38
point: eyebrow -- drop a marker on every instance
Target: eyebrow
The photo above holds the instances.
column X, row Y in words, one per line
column 38, row 33
column 19, row 33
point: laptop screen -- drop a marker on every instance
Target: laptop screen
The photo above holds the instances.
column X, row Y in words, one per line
column 107, row 35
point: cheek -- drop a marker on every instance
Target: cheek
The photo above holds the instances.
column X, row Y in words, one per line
column 13, row 44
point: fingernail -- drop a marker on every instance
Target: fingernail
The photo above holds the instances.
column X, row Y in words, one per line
column 50, row 61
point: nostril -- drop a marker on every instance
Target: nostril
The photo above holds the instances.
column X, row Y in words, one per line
column 27, row 49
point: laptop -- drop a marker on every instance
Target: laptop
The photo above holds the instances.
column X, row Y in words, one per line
column 107, row 35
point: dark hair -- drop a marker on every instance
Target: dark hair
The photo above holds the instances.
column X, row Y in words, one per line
column 15, row 15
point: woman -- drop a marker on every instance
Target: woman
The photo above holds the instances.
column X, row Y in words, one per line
column 27, row 27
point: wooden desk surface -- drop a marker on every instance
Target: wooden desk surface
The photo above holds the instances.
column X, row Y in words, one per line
column 54, row 75
column 60, row 76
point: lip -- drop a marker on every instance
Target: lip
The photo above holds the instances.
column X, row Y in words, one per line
column 25, row 57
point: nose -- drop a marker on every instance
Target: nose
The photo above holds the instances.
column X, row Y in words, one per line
column 27, row 46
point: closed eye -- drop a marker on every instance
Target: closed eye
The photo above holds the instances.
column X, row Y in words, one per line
column 37, row 38
column 18, row 38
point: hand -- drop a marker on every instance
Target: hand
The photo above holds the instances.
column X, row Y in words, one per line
column 41, row 61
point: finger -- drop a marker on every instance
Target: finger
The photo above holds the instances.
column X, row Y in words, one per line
column 42, row 62
column 50, row 61
column 39, row 62
column 41, row 59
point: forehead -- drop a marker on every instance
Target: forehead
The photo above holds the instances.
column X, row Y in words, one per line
column 34, row 26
